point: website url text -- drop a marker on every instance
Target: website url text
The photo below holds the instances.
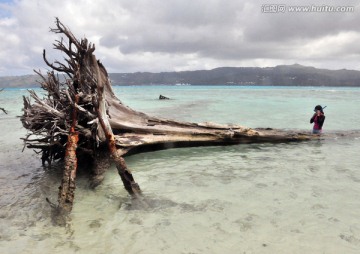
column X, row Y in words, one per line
column 282, row 8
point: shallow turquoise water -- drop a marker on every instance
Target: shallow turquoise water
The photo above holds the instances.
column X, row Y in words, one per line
column 255, row 198
column 277, row 107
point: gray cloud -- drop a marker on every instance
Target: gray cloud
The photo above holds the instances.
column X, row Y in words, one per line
column 181, row 35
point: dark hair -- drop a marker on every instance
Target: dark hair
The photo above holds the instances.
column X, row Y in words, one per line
column 318, row 107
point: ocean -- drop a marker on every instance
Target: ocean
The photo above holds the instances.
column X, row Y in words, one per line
column 246, row 198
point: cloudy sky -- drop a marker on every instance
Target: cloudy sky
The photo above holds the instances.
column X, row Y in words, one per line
column 176, row 35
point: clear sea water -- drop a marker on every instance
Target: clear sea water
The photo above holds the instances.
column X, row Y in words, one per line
column 251, row 198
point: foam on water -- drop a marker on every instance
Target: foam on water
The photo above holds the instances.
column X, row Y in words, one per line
column 254, row 198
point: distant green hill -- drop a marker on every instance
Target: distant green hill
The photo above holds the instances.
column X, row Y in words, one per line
column 19, row 81
column 283, row 75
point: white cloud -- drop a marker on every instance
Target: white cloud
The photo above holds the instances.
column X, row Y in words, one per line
column 157, row 35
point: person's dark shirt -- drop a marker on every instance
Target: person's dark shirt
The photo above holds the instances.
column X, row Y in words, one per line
column 320, row 120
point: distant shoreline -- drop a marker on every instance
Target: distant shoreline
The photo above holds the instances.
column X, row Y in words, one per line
column 282, row 75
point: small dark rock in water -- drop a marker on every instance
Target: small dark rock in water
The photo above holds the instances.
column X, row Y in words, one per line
column 264, row 245
column 162, row 97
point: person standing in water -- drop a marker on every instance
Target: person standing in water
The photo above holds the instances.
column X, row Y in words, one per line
column 318, row 119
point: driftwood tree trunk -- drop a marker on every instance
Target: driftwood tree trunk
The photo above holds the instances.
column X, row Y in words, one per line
column 129, row 183
column 81, row 118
